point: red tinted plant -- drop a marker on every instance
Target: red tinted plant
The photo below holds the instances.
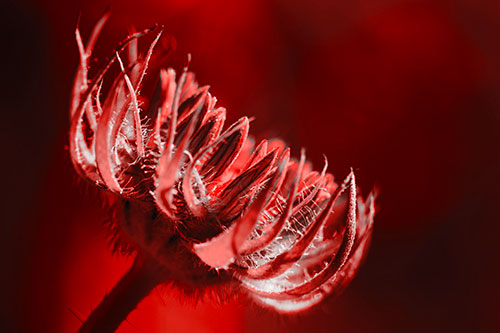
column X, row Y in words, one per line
column 201, row 206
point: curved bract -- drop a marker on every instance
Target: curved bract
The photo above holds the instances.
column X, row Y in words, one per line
column 201, row 198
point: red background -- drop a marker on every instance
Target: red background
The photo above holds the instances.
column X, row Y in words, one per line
column 407, row 92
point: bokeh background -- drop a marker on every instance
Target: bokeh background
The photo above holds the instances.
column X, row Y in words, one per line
column 407, row 92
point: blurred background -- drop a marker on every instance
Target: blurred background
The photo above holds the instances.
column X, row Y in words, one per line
column 406, row 92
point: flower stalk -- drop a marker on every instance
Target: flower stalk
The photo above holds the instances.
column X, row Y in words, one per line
column 144, row 275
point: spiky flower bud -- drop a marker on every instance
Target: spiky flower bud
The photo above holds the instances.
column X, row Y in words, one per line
column 201, row 200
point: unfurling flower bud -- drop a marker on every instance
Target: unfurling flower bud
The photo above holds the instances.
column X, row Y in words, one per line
column 204, row 202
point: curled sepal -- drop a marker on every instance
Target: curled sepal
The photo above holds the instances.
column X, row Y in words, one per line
column 344, row 251
column 191, row 174
column 304, row 271
column 170, row 166
column 82, row 155
column 86, row 119
column 285, row 260
column 247, row 182
column 313, row 270
column 272, row 231
column 222, row 250
column 226, row 152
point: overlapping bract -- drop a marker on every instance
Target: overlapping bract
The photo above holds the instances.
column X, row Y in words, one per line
column 290, row 235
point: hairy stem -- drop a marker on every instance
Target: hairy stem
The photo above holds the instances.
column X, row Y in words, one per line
column 144, row 275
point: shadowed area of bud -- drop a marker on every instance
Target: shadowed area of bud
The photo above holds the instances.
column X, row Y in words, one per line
column 206, row 202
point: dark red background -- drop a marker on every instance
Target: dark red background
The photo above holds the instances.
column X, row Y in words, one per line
column 407, row 92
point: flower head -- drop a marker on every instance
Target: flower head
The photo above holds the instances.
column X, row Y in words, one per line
column 206, row 202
